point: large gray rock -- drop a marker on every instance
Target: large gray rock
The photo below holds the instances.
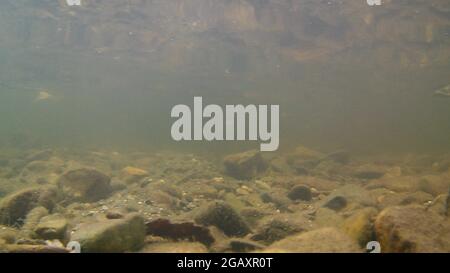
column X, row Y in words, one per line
column 111, row 235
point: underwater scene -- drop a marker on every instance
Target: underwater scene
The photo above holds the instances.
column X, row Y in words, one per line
column 224, row 126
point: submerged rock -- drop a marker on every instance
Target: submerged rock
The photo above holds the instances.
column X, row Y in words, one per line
column 132, row 174
column 275, row 228
column 23, row 248
column 302, row 159
column 300, row 193
column 347, row 195
column 117, row 235
column 359, row 226
column 114, row 214
column 369, row 172
column 15, row 207
column 85, row 185
column 447, row 204
column 177, row 247
column 237, row 245
column 245, row 165
column 8, row 235
column 224, row 217
column 412, row 229
column 324, row 240
column 52, row 227
column 434, row 184
column 336, row 203
column 325, row 217
column 32, row 220
column 179, row 231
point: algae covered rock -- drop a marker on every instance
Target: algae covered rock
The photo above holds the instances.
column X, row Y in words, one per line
column 8, row 234
column 179, row 231
column 52, row 227
column 15, row 207
column 324, row 240
column 300, row 193
column 85, row 185
column 275, row 228
column 32, row 220
column 111, row 235
column 245, row 165
column 336, row 203
column 224, row 217
column 359, row 226
column 303, row 159
column 412, row 229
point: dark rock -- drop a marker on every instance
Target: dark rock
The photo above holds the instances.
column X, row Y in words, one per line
column 113, row 214
column 85, row 185
column 15, row 207
column 179, row 231
column 336, row 203
column 224, row 217
column 245, row 165
column 300, row 193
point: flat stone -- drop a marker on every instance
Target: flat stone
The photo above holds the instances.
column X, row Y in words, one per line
column 116, row 235
column 324, row 240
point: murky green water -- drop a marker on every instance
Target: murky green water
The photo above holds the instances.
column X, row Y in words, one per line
column 105, row 76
